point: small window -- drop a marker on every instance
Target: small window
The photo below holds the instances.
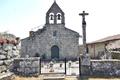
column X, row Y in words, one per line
column 37, row 55
column 55, row 33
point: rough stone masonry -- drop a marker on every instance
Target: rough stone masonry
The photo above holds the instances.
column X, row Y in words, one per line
column 54, row 40
column 9, row 49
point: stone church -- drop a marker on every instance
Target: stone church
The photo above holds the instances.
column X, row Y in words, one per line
column 54, row 40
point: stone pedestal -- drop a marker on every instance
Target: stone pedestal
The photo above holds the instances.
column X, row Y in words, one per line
column 85, row 70
column 85, row 65
column 85, row 59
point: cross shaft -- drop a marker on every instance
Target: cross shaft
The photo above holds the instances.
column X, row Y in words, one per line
column 84, row 31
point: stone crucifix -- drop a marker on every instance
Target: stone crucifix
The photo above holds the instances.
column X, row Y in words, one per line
column 84, row 31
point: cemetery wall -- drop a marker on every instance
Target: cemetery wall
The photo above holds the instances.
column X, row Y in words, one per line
column 107, row 67
column 26, row 66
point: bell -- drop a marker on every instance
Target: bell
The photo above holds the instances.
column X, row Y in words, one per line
column 59, row 16
column 51, row 17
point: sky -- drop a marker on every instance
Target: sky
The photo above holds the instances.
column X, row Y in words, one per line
column 18, row 17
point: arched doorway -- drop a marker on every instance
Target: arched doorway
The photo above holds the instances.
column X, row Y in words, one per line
column 54, row 52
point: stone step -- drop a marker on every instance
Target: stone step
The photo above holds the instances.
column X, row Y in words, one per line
column 51, row 78
column 54, row 77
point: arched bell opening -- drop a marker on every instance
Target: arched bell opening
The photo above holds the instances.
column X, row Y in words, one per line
column 55, row 15
column 51, row 18
column 59, row 18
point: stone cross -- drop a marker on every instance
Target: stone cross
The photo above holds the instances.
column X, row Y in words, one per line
column 83, row 15
column 85, row 57
column 84, row 31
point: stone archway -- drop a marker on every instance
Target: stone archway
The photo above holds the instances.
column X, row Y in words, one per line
column 55, row 52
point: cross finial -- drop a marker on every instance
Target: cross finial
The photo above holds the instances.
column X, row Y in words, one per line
column 83, row 14
column 54, row 0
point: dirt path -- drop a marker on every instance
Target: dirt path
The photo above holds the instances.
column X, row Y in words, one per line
column 39, row 78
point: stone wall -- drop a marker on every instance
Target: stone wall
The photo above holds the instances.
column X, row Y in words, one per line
column 42, row 41
column 26, row 66
column 9, row 49
column 108, row 67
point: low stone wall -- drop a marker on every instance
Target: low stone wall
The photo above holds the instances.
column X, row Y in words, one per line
column 107, row 67
column 7, row 53
column 26, row 66
column 6, row 76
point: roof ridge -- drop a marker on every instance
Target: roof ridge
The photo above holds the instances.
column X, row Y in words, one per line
column 108, row 38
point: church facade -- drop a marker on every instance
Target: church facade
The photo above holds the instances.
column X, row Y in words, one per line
column 54, row 40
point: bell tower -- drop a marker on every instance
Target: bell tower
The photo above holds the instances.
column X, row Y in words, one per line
column 55, row 15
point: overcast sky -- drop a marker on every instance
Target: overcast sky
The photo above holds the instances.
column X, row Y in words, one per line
column 20, row 16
